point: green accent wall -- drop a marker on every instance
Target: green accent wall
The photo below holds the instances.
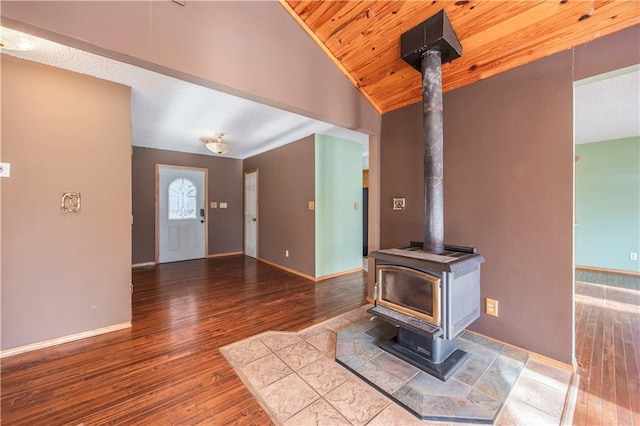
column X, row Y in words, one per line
column 608, row 204
column 338, row 186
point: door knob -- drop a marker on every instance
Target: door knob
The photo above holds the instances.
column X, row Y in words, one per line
column 254, row 219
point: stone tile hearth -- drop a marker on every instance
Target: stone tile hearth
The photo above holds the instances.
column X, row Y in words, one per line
column 475, row 393
column 296, row 379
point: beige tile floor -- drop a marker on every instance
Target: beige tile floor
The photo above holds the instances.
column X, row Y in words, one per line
column 295, row 378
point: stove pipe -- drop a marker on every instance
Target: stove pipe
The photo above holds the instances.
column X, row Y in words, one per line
column 426, row 47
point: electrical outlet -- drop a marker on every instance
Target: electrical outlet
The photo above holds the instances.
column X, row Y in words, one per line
column 491, row 307
column 286, row 253
column 633, row 256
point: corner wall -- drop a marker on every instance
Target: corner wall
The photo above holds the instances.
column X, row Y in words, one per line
column 225, row 185
column 63, row 273
column 286, row 177
column 608, row 204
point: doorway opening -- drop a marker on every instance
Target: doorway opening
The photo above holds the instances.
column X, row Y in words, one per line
column 606, row 243
column 251, row 213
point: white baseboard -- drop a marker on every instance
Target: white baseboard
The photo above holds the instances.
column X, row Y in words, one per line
column 64, row 339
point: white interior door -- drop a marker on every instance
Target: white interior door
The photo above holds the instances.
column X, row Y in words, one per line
column 181, row 214
column 251, row 213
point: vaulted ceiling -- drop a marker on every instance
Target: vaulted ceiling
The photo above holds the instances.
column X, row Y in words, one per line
column 363, row 37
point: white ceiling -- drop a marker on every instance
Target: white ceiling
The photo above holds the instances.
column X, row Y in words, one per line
column 608, row 109
column 173, row 114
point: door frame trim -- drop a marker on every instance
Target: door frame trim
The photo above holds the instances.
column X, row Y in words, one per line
column 157, row 206
column 244, row 209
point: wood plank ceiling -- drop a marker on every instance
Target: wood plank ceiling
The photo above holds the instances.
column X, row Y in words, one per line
column 363, row 37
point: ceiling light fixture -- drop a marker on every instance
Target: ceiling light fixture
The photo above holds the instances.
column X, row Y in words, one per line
column 15, row 40
column 216, row 145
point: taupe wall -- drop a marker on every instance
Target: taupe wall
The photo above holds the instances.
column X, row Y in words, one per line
column 286, row 183
column 508, row 187
column 616, row 51
column 401, row 176
column 63, row 273
column 225, row 185
column 510, row 193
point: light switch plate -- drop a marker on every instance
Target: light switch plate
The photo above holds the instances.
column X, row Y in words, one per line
column 223, row 205
column 312, row 205
column 5, row 169
column 214, row 204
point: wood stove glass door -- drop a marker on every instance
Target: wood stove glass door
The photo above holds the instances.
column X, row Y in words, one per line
column 414, row 293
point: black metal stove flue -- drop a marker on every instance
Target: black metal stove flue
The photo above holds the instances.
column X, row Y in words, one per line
column 430, row 291
column 426, row 47
column 433, row 151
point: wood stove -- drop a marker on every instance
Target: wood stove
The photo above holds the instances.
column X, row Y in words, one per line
column 429, row 290
column 431, row 299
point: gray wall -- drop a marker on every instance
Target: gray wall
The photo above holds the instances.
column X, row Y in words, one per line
column 286, row 184
column 63, row 273
column 508, row 187
column 225, row 185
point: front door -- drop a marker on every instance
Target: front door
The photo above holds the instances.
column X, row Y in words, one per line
column 180, row 213
column 251, row 213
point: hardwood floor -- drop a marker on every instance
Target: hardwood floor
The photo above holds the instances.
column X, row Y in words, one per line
column 168, row 368
column 608, row 351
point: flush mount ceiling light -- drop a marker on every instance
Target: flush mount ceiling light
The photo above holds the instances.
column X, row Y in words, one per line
column 216, row 145
column 15, row 40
